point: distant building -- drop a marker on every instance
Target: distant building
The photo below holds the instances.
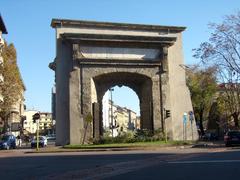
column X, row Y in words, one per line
column 121, row 120
column 137, row 122
column 46, row 123
column 28, row 125
column 16, row 115
column 105, row 110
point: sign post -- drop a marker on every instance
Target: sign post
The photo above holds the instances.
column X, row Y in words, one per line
column 36, row 118
column 191, row 118
column 37, row 121
column 166, row 115
column 185, row 126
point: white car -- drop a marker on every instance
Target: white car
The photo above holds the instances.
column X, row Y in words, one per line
column 42, row 142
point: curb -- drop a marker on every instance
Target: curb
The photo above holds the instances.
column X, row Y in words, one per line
column 64, row 150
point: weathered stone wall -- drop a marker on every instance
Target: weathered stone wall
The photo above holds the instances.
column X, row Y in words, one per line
column 63, row 62
column 179, row 101
column 137, row 78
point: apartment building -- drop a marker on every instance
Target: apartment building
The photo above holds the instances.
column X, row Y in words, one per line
column 46, row 123
column 28, row 125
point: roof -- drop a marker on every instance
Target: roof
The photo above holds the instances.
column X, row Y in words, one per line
column 125, row 26
column 2, row 26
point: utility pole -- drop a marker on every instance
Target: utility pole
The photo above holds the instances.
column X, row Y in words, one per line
column 36, row 118
column 37, row 121
column 111, row 90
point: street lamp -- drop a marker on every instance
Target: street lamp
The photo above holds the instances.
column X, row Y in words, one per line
column 111, row 90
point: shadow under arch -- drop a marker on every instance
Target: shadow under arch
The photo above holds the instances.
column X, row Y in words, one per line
column 140, row 84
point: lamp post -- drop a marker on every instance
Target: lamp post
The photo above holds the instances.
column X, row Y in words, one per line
column 36, row 118
column 111, row 90
column 37, row 121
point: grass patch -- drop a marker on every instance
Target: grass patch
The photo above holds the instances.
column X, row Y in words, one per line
column 130, row 145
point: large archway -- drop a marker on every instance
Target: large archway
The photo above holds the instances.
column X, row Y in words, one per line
column 120, row 112
column 92, row 57
column 141, row 84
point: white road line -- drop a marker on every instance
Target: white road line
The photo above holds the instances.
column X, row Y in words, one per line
column 209, row 161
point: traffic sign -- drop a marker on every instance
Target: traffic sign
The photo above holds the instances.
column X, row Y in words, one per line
column 185, row 118
column 191, row 116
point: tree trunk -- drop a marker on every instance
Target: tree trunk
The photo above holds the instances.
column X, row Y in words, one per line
column 235, row 118
column 201, row 122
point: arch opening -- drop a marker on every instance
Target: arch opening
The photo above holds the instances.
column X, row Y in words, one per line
column 120, row 111
column 141, row 85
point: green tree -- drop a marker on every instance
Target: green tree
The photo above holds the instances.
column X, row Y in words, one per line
column 12, row 87
column 214, row 117
column 202, row 85
column 223, row 50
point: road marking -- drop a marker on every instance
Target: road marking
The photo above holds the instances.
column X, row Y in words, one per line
column 209, row 161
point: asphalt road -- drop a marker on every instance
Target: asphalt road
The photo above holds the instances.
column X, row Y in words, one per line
column 165, row 163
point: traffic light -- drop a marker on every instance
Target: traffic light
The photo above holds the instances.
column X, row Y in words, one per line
column 168, row 113
column 35, row 117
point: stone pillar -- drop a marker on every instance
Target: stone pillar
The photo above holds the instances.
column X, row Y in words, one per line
column 166, row 92
column 86, row 101
column 63, row 67
column 96, row 121
column 146, row 106
column 75, row 117
column 157, row 123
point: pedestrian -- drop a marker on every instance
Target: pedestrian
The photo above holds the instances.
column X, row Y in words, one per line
column 19, row 143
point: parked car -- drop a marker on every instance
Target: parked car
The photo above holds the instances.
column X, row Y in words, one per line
column 8, row 142
column 209, row 136
column 51, row 137
column 232, row 137
column 42, row 142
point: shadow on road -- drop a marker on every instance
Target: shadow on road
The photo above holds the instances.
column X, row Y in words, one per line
column 96, row 165
column 209, row 144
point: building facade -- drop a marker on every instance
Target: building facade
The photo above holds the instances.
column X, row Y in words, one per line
column 29, row 126
column 16, row 117
column 15, row 114
column 46, row 123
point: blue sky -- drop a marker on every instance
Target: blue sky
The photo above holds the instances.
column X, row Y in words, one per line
column 28, row 25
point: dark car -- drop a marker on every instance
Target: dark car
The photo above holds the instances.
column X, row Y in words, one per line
column 8, row 142
column 209, row 136
column 232, row 137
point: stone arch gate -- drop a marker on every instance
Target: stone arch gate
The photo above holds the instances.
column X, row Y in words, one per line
column 91, row 57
